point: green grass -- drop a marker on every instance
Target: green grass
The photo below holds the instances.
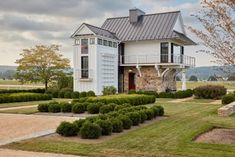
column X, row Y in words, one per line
column 200, row 100
column 15, row 82
column 171, row 137
column 16, row 104
column 192, row 85
column 30, row 110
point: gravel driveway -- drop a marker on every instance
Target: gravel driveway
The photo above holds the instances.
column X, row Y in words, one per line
column 16, row 127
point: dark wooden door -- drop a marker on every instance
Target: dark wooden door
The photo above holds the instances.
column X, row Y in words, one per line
column 131, row 81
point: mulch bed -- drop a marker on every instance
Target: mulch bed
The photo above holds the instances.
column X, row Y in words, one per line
column 217, row 136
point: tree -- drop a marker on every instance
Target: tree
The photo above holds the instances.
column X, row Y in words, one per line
column 193, row 78
column 217, row 18
column 177, row 78
column 41, row 64
column 212, row 78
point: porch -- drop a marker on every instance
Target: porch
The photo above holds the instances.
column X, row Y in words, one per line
column 163, row 59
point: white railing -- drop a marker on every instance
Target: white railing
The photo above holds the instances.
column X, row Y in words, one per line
column 156, row 59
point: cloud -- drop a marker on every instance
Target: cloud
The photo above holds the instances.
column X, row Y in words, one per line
column 25, row 23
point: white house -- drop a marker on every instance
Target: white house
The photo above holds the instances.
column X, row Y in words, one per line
column 137, row 52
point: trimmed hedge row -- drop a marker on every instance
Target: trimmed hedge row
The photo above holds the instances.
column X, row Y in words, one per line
column 23, row 97
column 178, row 94
column 37, row 90
column 210, row 91
column 97, row 106
column 132, row 99
column 70, row 94
column 106, row 124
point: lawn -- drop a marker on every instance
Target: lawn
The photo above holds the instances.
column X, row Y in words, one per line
column 16, row 104
column 171, row 137
column 192, row 85
column 28, row 110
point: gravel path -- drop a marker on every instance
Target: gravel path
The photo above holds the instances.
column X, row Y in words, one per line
column 16, row 127
column 19, row 153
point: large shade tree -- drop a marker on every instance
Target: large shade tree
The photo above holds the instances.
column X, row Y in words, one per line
column 218, row 20
column 41, row 64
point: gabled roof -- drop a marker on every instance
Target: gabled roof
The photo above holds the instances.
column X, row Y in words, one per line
column 149, row 27
column 97, row 31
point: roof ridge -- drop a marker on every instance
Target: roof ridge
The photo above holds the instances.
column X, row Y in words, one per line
column 176, row 11
column 99, row 28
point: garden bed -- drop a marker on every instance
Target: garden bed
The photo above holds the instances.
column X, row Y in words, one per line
column 217, row 136
column 78, row 139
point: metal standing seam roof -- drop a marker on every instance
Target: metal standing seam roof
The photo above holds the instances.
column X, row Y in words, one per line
column 150, row 27
column 101, row 31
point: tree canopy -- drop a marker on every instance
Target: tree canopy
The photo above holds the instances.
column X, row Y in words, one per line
column 193, row 78
column 41, row 64
column 218, row 20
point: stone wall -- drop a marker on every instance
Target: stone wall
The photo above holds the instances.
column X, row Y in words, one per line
column 149, row 79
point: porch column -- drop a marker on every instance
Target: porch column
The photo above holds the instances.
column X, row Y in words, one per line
column 183, row 80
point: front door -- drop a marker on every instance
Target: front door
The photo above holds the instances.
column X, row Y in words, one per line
column 131, row 80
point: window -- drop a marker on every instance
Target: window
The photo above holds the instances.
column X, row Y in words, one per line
column 100, row 41
column 84, row 46
column 164, row 52
column 77, row 42
column 84, row 67
column 114, row 44
column 110, row 44
column 105, row 42
column 92, row 41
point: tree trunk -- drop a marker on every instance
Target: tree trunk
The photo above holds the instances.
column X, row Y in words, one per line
column 46, row 84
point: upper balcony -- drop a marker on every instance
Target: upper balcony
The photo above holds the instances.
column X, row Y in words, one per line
column 145, row 60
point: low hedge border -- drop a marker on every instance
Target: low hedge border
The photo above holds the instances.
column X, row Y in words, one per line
column 177, row 94
column 23, row 97
column 70, row 94
column 133, row 99
column 37, row 90
column 113, row 122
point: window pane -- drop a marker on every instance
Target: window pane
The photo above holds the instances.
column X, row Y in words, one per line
column 110, row 43
column 84, row 46
column 84, row 67
column 100, row 41
column 164, row 52
column 77, row 42
column 105, row 42
column 92, row 41
column 114, row 44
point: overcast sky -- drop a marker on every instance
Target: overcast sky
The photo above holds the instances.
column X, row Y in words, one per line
column 26, row 23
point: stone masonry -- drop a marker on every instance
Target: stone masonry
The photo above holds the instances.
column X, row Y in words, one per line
column 149, row 79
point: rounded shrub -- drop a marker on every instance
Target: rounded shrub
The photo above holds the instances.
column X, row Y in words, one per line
column 67, row 129
column 94, row 108
column 83, row 94
column 107, row 108
column 166, row 95
column 79, row 123
column 143, row 116
column 75, row 95
column 119, row 107
column 90, row 131
column 61, row 94
column 160, row 110
column 149, row 113
column 134, row 117
column 117, row 125
column 68, row 95
column 43, row 107
column 54, row 108
column 210, row 91
column 126, row 121
column 55, row 93
column 66, row 107
column 106, row 126
column 90, row 93
column 228, row 99
column 78, row 108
